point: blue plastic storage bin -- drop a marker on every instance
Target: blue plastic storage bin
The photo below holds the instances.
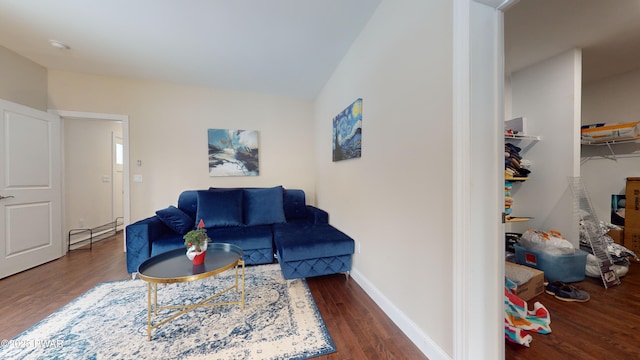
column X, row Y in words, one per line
column 565, row 268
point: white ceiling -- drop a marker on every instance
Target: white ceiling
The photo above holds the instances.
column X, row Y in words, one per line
column 608, row 31
column 282, row 47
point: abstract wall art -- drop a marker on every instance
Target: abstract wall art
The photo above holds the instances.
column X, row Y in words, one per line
column 233, row 152
column 347, row 132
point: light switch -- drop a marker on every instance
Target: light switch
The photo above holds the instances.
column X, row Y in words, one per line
column 106, row 178
column 137, row 178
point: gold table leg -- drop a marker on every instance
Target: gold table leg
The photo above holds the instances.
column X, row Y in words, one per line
column 242, row 261
column 149, row 311
column 186, row 308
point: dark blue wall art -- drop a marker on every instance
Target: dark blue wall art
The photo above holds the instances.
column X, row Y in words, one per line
column 347, row 132
column 233, row 152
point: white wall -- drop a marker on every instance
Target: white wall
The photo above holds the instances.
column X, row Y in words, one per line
column 168, row 133
column 480, row 257
column 22, row 80
column 613, row 100
column 88, row 159
column 548, row 94
column 396, row 200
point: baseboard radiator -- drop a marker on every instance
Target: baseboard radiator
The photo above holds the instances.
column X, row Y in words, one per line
column 79, row 237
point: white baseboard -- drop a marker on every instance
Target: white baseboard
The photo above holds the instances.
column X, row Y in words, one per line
column 428, row 347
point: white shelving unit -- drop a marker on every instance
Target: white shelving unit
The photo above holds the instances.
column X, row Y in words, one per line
column 509, row 218
column 522, row 137
column 609, row 144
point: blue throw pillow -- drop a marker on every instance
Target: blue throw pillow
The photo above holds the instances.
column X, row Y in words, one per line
column 263, row 206
column 176, row 219
column 219, row 208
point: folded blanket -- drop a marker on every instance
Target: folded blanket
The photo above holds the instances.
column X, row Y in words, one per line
column 518, row 319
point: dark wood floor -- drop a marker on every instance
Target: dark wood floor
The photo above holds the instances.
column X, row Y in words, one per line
column 360, row 330
column 605, row 327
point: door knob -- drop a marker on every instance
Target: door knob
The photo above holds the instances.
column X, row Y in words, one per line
column 5, row 197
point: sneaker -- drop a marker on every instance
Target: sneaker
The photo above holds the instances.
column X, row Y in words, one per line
column 570, row 293
column 554, row 286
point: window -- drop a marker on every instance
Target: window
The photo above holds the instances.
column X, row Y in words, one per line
column 119, row 154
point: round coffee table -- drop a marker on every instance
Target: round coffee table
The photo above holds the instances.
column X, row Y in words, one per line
column 174, row 266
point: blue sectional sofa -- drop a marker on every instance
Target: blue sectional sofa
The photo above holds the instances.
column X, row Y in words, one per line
column 267, row 223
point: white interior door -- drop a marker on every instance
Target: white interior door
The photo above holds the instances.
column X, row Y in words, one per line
column 30, row 186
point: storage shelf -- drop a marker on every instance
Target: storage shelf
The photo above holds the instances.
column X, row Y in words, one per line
column 511, row 178
column 507, row 177
column 609, row 142
column 517, row 219
column 522, row 137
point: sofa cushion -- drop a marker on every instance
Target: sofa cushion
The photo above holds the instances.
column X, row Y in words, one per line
column 176, row 219
column 220, row 208
column 307, row 241
column 167, row 243
column 246, row 237
column 263, row 206
column 256, row 242
column 188, row 202
column 295, row 204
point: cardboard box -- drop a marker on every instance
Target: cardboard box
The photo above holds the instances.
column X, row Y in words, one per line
column 530, row 289
column 517, row 125
column 632, row 239
column 617, row 236
column 632, row 206
column 605, row 132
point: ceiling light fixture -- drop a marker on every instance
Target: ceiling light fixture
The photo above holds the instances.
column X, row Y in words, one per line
column 59, row 45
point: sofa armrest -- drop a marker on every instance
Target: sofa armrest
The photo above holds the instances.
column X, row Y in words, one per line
column 140, row 235
column 317, row 216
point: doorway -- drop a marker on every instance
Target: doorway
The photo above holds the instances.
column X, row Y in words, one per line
column 95, row 185
column 117, row 174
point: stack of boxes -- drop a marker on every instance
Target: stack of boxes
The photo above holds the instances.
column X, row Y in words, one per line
column 632, row 215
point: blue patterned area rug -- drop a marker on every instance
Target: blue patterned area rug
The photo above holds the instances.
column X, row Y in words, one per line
column 280, row 321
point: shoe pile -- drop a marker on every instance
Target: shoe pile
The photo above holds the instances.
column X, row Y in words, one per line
column 566, row 292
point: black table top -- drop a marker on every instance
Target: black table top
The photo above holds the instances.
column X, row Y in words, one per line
column 174, row 266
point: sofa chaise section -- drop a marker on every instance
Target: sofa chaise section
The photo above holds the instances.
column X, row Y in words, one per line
column 305, row 250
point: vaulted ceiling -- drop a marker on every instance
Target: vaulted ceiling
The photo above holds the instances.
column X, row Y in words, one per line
column 282, row 47
column 607, row 31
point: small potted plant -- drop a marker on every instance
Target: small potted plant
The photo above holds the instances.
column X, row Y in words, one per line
column 196, row 243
